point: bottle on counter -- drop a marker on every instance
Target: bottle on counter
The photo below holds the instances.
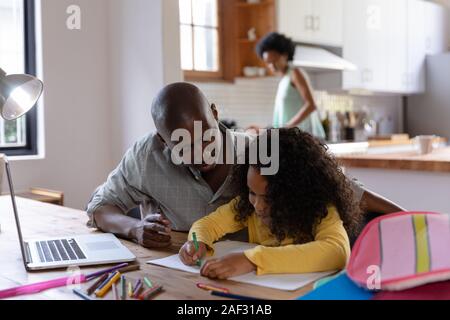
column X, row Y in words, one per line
column 349, row 126
column 326, row 125
column 336, row 128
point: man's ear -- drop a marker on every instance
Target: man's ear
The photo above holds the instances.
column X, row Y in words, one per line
column 215, row 112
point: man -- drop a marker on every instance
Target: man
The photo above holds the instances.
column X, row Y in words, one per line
column 175, row 196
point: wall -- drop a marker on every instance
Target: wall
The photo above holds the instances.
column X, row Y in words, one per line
column 143, row 59
column 251, row 101
column 99, row 84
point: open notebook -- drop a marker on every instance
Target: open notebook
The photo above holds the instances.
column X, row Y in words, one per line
column 288, row 282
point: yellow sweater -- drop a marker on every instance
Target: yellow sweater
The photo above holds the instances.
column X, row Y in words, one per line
column 328, row 252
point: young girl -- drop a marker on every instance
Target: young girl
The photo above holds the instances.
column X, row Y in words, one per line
column 299, row 217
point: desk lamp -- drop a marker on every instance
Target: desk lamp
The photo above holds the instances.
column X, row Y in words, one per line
column 18, row 95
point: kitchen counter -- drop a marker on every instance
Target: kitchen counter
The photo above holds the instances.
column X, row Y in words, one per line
column 438, row 161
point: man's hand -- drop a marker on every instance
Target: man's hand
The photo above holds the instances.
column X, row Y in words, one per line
column 152, row 232
column 227, row 267
column 189, row 256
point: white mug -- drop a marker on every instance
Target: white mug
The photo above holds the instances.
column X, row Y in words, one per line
column 424, row 144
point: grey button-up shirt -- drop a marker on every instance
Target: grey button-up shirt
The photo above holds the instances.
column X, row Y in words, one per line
column 147, row 177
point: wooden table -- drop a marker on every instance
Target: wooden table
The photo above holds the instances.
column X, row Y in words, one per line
column 46, row 220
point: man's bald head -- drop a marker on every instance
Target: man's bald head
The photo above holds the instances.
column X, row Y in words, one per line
column 178, row 105
column 182, row 107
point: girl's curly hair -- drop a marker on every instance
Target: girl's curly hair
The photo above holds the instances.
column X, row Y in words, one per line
column 308, row 181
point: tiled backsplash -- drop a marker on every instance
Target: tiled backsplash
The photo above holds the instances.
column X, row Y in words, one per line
column 251, row 102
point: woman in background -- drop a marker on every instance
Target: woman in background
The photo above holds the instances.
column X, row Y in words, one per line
column 294, row 105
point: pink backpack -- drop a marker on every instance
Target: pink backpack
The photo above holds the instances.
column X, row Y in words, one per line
column 402, row 251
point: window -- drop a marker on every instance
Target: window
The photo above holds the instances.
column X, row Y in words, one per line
column 200, row 38
column 17, row 55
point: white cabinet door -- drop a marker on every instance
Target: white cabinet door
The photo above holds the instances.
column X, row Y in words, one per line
column 436, row 28
column 365, row 44
column 312, row 21
column 295, row 19
column 377, row 28
column 416, row 47
column 328, row 22
column 355, row 47
column 397, row 60
column 386, row 40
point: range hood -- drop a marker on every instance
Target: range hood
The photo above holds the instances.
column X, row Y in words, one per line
column 319, row 59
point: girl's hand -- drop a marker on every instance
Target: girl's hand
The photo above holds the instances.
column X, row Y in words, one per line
column 189, row 256
column 227, row 267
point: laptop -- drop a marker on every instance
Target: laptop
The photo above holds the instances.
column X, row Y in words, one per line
column 61, row 252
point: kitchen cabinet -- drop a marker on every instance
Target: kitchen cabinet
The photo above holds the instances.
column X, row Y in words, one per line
column 312, row 21
column 388, row 41
column 436, row 28
column 257, row 16
column 365, row 44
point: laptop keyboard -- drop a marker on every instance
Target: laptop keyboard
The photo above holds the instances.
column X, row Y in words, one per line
column 59, row 250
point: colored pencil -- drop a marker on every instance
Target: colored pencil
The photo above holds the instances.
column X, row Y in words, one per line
column 39, row 287
column 101, row 292
column 148, row 283
column 233, row 296
column 148, row 294
column 123, row 285
column 97, row 284
column 82, row 295
column 115, row 293
column 102, row 272
column 208, row 287
column 129, row 269
column 197, row 247
column 130, row 290
column 137, row 288
column 105, row 282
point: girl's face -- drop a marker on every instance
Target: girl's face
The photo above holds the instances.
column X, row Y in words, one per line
column 257, row 185
column 276, row 62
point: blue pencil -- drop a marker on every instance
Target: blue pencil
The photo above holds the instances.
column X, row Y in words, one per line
column 232, row 296
column 111, row 275
column 82, row 295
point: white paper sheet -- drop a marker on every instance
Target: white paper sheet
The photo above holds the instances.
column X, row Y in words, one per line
column 288, row 282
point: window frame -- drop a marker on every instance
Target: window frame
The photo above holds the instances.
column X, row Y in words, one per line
column 224, row 69
column 31, row 146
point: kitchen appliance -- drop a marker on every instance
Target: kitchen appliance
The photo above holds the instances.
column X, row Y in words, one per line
column 429, row 113
column 324, row 66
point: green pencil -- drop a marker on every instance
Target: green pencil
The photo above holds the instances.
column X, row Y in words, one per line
column 194, row 237
column 123, row 283
column 148, row 282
